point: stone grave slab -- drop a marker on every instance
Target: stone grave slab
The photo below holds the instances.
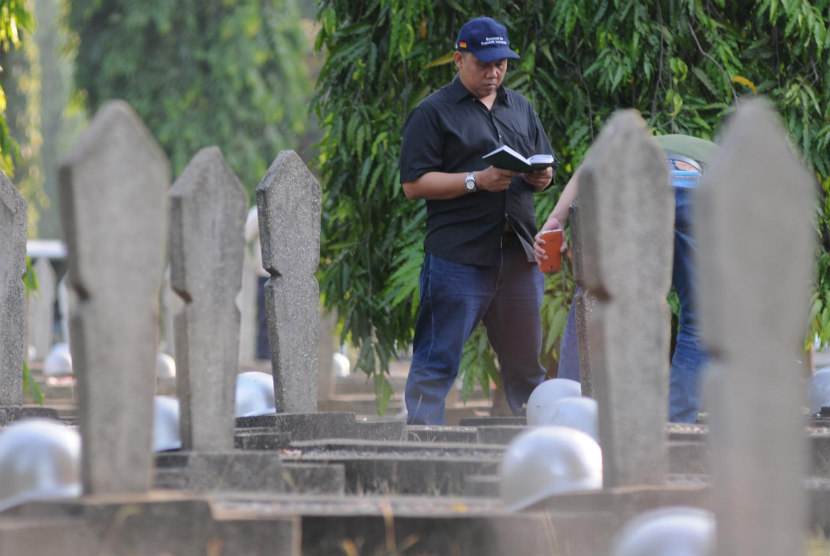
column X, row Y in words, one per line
column 383, row 467
column 67, row 536
column 253, row 471
column 216, row 471
column 584, row 303
column 334, row 424
column 406, row 525
column 756, row 198
column 261, row 438
column 498, row 434
column 13, row 226
column 432, row 433
column 207, row 215
column 491, row 421
column 600, row 514
column 482, row 485
column 625, row 174
column 288, row 202
column 11, row 414
column 159, row 523
column 113, row 198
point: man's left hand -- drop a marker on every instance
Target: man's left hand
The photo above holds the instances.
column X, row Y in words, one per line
column 539, row 179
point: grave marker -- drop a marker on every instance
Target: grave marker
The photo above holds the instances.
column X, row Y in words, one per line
column 626, row 226
column 584, row 303
column 288, row 201
column 208, row 208
column 13, row 215
column 113, row 193
column 756, row 239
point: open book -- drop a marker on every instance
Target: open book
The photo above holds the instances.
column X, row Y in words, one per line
column 507, row 159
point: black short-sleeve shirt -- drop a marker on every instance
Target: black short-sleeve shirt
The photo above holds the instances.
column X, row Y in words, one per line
column 450, row 131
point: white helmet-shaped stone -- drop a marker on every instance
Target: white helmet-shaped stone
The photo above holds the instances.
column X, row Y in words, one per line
column 340, row 365
column 538, row 405
column 254, row 394
column 165, row 366
column 39, row 459
column 59, row 361
column 668, row 531
column 167, row 433
column 819, row 390
column 580, row 413
column 549, row 460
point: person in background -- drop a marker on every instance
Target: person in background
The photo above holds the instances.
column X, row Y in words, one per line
column 687, row 157
column 479, row 264
column 252, row 238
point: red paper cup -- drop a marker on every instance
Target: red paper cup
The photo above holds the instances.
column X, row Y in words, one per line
column 553, row 243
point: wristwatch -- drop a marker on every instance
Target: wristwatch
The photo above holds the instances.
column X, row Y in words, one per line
column 470, row 182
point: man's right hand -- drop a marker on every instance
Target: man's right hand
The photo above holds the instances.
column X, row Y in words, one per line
column 494, row 179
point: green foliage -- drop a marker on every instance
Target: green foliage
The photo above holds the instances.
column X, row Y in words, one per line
column 682, row 64
column 15, row 17
column 199, row 73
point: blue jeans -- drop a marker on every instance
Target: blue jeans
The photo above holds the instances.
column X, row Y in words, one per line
column 689, row 356
column 506, row 297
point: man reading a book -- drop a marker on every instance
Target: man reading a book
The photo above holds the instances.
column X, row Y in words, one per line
column 479, row 264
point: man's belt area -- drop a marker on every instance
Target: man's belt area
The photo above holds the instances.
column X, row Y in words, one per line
column 509, row 238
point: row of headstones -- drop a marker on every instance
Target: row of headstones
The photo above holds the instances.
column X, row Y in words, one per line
column 117, row 206
column 751, row 312
column 755, row 250
column 42, row 337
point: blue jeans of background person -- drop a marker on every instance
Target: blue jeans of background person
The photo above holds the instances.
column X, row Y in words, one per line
column 506, row 297
column 569, row 347
column 689, row 356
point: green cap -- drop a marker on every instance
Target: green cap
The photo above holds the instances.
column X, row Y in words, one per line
column 686, row 145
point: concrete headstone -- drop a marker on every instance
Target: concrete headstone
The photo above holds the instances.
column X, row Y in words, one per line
column 113, row 193
column 626, row 227
column 208, row 207
column 13, row 215
column 754, row 212
column 288, row 200
column 584, row 303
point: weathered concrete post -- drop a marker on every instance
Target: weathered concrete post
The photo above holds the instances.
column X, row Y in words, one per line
column 626, row 226
column 584, row 303
column 755, row 244
column 288, row 201
column 208, row 207
column 13, row 214
column 113, row 192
